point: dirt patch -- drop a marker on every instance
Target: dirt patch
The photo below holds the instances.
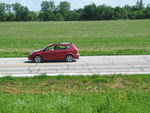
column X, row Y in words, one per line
column 7, row 84
column 15, row 90
column 31, row 91
column 128, row 82
column 118, row 83
column 47, row 83
column 12, row 90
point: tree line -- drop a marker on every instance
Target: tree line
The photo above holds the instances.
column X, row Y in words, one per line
column 50, row 12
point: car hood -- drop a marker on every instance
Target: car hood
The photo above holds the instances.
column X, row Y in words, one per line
column 35, row 51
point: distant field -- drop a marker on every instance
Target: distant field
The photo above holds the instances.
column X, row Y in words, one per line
column 91, row 37
column 76, row 94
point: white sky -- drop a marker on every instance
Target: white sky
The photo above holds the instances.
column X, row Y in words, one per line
column 75, row 4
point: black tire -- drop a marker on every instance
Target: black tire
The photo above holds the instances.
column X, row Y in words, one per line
column 38, row 59
column 69, row 58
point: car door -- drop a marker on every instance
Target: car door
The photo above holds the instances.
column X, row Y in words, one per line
column 60, row 52
column 49, row 53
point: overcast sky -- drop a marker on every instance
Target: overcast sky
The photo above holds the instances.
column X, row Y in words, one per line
column 75, row 4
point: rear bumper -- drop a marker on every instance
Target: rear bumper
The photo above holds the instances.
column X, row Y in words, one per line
column 76, row 56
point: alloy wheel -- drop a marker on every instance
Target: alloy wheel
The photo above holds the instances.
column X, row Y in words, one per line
column 69, row 58
column 38, row 59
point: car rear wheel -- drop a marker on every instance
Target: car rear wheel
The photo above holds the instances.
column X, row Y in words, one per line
column 38, row 59
column 69, row 58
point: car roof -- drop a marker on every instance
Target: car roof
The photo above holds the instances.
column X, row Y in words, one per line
column 62, row 44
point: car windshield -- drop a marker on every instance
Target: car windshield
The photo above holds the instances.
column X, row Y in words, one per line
column 47, row 46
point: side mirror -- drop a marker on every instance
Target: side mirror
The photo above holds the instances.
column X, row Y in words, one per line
column 45, row 50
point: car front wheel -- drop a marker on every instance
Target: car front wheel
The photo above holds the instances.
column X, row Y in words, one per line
column 69, row 58
column 38, row 59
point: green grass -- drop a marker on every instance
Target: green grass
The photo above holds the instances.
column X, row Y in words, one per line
column 121, row 37
column 75, row 94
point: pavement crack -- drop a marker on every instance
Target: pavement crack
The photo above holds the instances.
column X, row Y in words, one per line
column 68, row 66
column 141, row 69
column 30, row 70
column 89, row 70
column 146, row 59
column 38, row 70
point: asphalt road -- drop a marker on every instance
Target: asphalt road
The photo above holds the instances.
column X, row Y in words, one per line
column 86, row 65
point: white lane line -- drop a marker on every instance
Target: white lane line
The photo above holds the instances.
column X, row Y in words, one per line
column 75, row 74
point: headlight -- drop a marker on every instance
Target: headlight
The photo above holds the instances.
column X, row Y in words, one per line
column 31, row 52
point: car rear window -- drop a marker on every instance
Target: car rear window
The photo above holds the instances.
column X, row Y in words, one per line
column 68, row 47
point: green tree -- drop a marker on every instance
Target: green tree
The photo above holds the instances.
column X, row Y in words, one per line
column 89, row 12
column 139, row 12
column 120, row 13
column 59, row 17
column 32, row 16
column 73, row 15
column 64, row 8
column 8, row 8
column 21, row 12
column 104, row 12
column 2, row 11
column 147, row 12
column 139, row 4
column 8, row 13
column 47, row 6
column 47, row 11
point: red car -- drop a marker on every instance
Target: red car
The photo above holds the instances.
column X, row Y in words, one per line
column 61, row 51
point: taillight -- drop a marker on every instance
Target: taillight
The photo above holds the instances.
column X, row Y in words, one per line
column 76, row 52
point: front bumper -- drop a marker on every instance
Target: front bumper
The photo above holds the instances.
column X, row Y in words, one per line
column 30, row 57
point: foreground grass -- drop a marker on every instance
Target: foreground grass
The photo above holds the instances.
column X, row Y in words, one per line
column 75, row 94
column 91, row 37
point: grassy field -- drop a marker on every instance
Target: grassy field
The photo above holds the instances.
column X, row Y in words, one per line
column 91, row 37
column 75, row 94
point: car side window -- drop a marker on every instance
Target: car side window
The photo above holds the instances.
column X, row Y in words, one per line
column 67, row 47
column 59, row 47
column 50, row 48
column 62, row 47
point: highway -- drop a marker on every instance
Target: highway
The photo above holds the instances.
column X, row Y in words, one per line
column 86, row 65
